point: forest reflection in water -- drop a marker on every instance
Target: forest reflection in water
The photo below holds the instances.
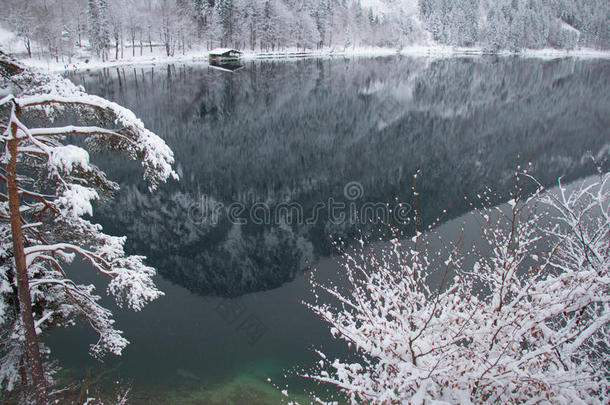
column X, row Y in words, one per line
column 277, row 133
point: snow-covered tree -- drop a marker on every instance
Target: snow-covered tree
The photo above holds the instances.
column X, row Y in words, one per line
column 491, row 24
column 251, row 15
column 48, row 187
column 225, row 14
column 524, row 317
column 270, row 26
column 98, row 29
column 169, row 25
column 133, row 25
column 23, row 20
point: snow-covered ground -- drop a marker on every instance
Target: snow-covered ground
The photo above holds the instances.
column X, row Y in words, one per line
column 10, row 43
column 78, row 64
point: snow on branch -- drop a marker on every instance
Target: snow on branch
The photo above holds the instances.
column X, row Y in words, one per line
column 52, row 94
column 522, row 316
column 136, row 141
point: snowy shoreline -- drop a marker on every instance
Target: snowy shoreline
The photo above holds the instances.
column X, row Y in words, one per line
column 293, row 54
column 153, row 54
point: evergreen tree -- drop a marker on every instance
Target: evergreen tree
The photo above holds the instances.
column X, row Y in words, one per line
column 48, row 187
column 224, row 13
column 98, row 26
column 269, row 29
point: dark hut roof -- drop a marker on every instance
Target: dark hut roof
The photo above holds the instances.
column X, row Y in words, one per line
column 223, row 51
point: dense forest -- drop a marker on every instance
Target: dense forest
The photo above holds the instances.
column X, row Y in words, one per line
column 121, row 28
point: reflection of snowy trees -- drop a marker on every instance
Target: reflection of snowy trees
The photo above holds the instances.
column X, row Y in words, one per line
column 208, row 257
column 284, row 132
column 244, row 262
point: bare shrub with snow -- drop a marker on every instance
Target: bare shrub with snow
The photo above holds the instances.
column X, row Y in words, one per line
column 522, row 317
column 48, row 187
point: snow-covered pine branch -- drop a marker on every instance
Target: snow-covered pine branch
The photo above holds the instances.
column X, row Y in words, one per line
column 51, row 187
column 53, row 95
column 521, row 317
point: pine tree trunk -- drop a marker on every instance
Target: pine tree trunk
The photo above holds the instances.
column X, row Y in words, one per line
column 23, row 285
column 24, row 379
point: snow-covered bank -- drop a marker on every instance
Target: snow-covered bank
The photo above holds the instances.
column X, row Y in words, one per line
column 201, row 56
column 550, row 53
column 155, row 54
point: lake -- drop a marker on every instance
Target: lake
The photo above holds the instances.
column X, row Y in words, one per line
column 278, row 160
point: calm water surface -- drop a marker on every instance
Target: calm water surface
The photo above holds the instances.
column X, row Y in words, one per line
column 277, row 133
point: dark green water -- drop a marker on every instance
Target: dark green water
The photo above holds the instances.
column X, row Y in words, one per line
column 274, row 137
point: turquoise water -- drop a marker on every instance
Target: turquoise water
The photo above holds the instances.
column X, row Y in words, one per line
column 184, row 346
